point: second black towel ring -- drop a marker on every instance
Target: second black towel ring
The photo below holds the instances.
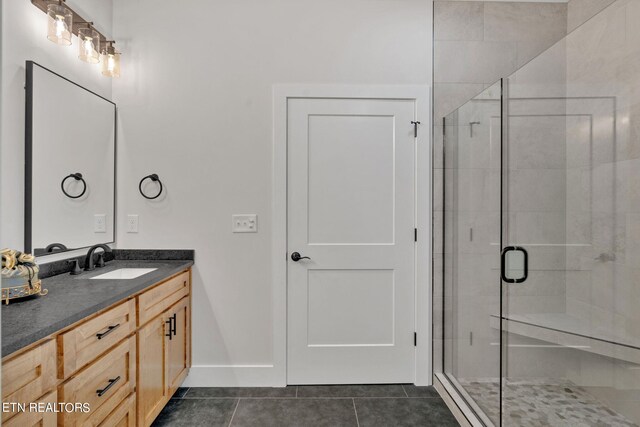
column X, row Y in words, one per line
column 78, row 177
column 153, row 177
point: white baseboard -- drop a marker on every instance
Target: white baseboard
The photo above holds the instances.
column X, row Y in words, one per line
column 233, row 376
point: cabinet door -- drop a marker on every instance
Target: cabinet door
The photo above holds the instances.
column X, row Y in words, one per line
column 179, row 344
column 153, row 387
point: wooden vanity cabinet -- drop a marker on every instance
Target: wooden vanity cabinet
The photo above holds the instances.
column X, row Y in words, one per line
column 123, row 416
column 164, row 359
column 179, row 346
column 28, row 376
column 84, row 343
column 125, row 361
column 41, row 419
column 104, row 385
column 153, row 390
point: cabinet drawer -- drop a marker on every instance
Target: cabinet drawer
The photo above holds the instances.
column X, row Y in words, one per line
column 123, row 416
column 27, row 377
column 41, row 419
column 82, row 344
column 155, row 301
column 104, row 385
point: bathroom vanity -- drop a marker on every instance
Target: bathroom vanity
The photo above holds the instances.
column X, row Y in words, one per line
column 110, row 342
column 120, row 344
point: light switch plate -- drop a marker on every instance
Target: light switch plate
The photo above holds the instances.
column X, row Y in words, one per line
column 100, row 223
column 132, row 223
column 245, row 223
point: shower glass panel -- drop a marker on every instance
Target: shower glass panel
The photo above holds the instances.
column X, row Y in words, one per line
column 471, row 271
column 571, row 201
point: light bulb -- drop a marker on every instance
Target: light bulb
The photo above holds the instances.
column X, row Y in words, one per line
column 61, row 27
column 60, row 24
column 111, row 63
column 88, row 46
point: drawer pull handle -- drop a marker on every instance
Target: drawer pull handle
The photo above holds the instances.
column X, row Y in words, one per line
column 108, row 331
column 106, row 389
column 175, row 323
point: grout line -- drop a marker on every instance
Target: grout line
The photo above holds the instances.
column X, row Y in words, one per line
column 234, row 412
column 296, row 392
column 186, row 392
column 356, row 411
column 405, row 390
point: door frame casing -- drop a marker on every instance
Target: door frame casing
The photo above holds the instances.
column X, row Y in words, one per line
column 423, row 215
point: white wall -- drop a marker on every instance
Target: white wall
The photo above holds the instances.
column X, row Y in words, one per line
column 195, row 106
column 24, row 37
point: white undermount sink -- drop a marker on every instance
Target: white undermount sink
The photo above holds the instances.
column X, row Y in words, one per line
column 125, row 273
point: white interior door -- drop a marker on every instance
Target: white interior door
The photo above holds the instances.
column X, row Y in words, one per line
column 351, row 210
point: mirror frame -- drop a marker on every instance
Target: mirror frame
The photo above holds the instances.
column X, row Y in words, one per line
column 28, row 158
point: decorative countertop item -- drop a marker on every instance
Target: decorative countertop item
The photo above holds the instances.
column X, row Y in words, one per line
column 19, row 275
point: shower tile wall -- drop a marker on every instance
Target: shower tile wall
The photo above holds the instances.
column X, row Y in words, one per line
column 536, row 192
column 477, row 43
column 607, row 179
column 603, row 283
column 579, row 11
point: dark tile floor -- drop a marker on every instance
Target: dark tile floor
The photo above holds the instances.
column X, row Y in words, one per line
column 307, row 406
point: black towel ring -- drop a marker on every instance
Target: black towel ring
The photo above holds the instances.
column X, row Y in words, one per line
column 78, row 177
column 153, row 177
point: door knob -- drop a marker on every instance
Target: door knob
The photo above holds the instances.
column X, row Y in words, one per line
column 297, row 257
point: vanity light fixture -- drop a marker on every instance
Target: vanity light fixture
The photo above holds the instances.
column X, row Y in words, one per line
column 94, row 47
column 89, row 46
column 110, row 61
column 60, row 26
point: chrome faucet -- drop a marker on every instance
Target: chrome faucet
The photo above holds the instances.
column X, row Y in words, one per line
column 88, row 262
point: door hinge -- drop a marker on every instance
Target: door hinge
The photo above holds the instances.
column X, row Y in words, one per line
column 415, row 234
column 415, row 128
column 415, row 339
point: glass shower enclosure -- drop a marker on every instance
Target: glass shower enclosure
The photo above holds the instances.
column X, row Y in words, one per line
column 537, row 236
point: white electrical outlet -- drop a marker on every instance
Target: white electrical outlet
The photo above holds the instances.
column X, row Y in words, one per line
column 132, row 223
column 244, row 223
column 100, row 223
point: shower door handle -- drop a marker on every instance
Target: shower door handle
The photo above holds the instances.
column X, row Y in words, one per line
column 510, row 256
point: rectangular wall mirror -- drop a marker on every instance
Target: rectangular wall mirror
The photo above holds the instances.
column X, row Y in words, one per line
column 70, row 152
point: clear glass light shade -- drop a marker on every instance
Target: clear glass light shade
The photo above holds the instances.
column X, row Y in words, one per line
column 60, row 24
column 89, row 47
column 110, row 63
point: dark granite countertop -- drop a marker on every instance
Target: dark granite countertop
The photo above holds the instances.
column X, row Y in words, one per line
column 72, row 298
